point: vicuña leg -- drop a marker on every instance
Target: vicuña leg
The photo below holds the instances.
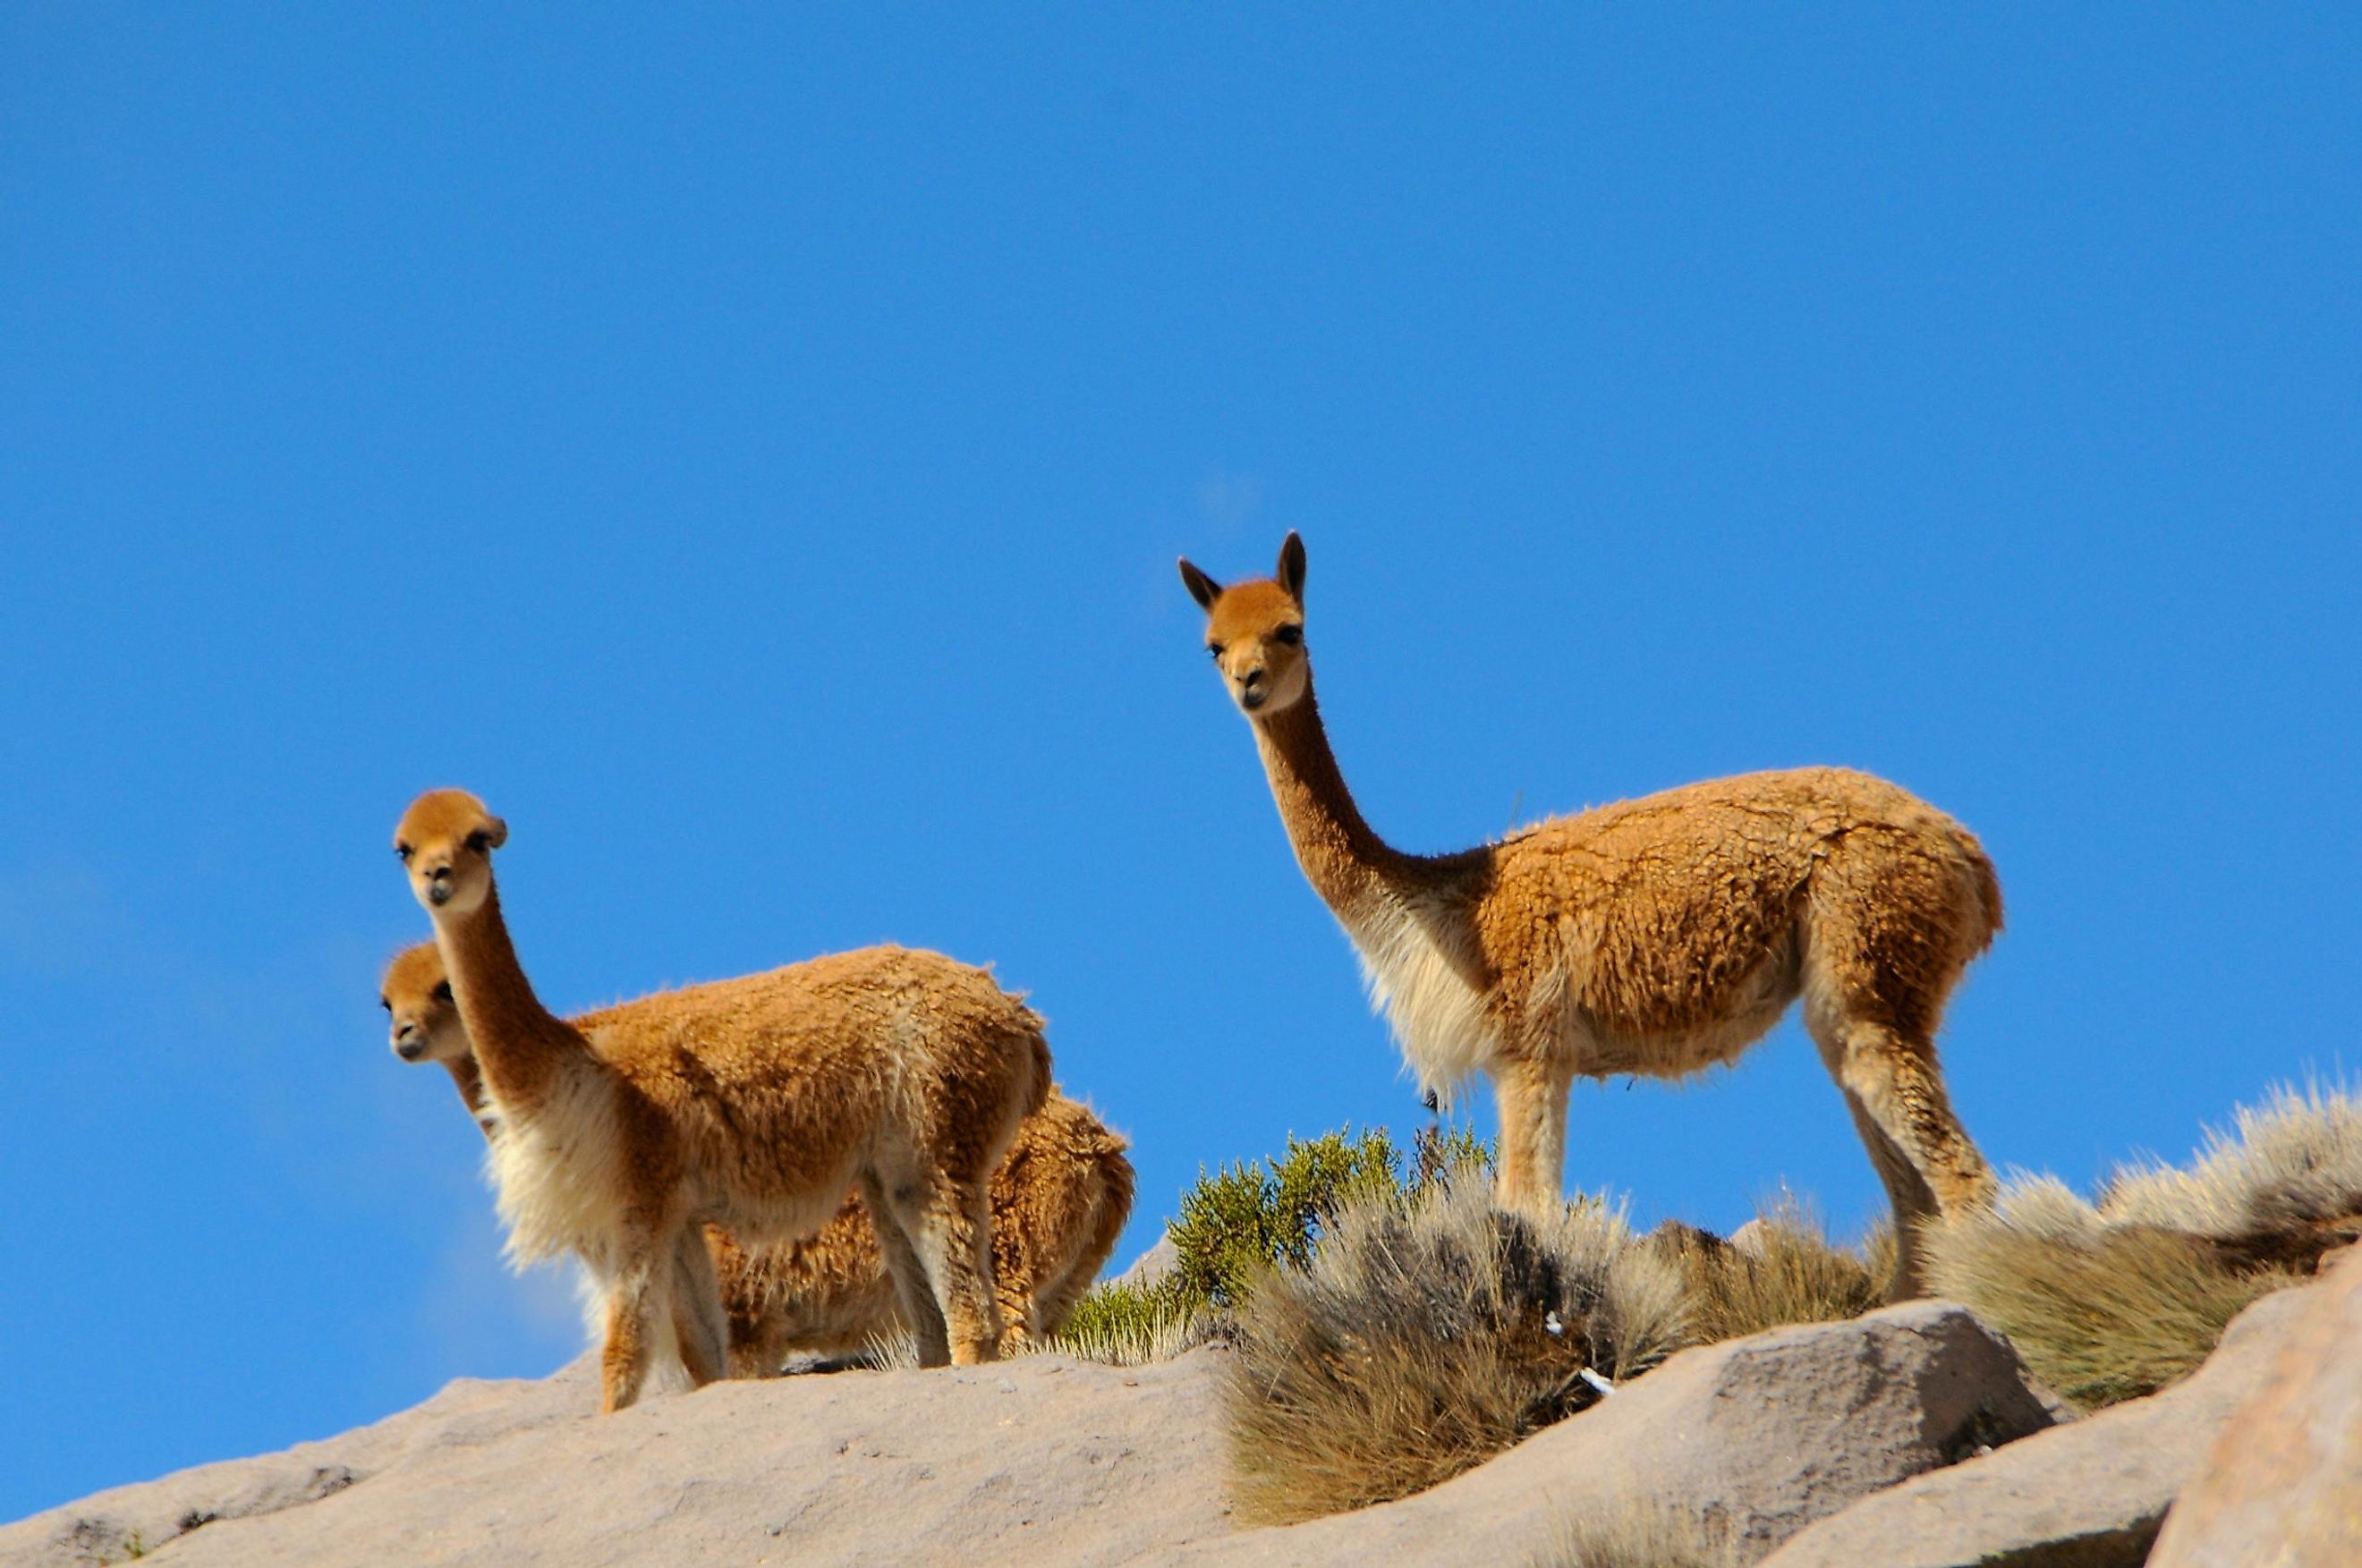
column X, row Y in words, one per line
column 699, row 1324
column 631, row 1307
column 952, row 1224
column 1016, row 1293
column 1913, row 1199
column 1922, row 1154
column 1531, row 1094
column 909, row 1273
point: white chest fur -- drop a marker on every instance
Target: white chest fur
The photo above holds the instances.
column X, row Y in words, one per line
column 558, row 1174
column 1437, row 1017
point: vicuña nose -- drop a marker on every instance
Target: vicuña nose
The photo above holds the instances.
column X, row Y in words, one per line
column 1252, row 677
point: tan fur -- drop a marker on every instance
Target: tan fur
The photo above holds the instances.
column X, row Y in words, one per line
column 1656, row 937
column 751, row 1103
column 1059, row 1202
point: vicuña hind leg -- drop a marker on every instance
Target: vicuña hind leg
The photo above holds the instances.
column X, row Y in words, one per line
column 1532, row 1095
column 1922, row 1154
column 698, row 1323
column 952, row 1225
column 1913, row 1201
column 909, row 1274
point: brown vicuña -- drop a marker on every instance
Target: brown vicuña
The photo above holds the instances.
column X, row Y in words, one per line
column 752, row 1104
column 1658, row 937
column 1059, row 1202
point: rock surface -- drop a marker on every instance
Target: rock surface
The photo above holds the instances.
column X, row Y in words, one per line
column 1045, row 1461
column 1151, row 1267
column 1761, row 1435
column 1040, row 1460
column 126, row 1521
column 2282, row 1484
column 2087, row 1495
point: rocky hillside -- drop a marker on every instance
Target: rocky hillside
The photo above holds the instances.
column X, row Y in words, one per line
column 1911, row 1437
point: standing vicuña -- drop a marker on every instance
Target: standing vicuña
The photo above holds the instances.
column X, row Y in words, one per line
column 752, row 1103
column 1059, row 1201
column 1659, row 936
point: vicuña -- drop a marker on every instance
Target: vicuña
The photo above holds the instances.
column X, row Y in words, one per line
column 1656, row 937
column 754, row 1104
column 1059, row 1202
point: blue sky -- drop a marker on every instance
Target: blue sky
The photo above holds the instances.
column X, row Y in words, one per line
column 749, row 446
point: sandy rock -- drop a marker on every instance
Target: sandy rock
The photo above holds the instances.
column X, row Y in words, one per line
column 2283, row 1481
column 1034, row 1461
column 1764, row 1434
column 2087, row 1495
column 116, row 1525
column 1151, row 1266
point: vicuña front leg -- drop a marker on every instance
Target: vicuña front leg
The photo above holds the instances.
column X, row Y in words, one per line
column 631, row 1312
column 1532, row 1095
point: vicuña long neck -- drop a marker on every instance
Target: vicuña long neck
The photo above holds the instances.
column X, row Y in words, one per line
column 521, row 1046
column 1342, row 856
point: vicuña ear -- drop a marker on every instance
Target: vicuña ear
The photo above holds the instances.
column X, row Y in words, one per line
column 1202, row 588
column 1291, row 565
column 496, row 832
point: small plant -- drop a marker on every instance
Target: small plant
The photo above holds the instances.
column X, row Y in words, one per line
column 1129, row 1325
column 1239, row 1223
column 1245, row 1220
column 1636, row 1531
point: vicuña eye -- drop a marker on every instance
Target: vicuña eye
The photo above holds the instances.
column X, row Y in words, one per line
column 443, row 991
column 479, row 841
column 1291, row 635
column 385, row 1003
column 1214, row 650
column 402, row 852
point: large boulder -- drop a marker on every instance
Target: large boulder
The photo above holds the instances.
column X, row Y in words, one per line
column 1759, row 1437
column 1034, row 1461
column 2283, row 1481
column 2087, row 1495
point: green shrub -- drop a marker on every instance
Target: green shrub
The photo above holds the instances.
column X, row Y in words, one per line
column 1239, row 1223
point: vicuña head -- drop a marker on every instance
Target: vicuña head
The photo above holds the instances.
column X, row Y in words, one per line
column 445, row 842
column 422, row 1018
column 1255, row 632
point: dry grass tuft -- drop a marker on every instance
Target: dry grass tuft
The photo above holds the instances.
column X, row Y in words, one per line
column 1637, row 1532
column 2116, row 1317
column 1427, row 1333
column 1788, row 1274
column 2117, row 1298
